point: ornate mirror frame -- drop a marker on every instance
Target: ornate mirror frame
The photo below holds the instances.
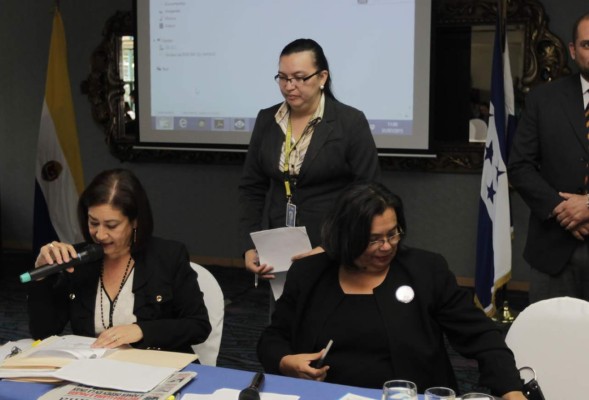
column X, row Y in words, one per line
column 105, row 90
column 104, row 86
column 545, row 59
column 546, row 55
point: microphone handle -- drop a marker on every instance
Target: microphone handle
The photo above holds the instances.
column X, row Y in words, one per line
column 47, row 270
column 257, row 381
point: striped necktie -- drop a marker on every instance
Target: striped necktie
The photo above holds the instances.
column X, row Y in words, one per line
column 587, row 119
column 587, row 133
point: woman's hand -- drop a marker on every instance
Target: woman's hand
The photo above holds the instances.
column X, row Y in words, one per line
column 514, row 396
column 315, row 250
column 252, row 264
column 299, row 366
column 118, row 336
column 56, row 252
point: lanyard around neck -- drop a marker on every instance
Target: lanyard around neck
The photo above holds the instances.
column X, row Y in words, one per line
column 289, row 147
column 287, row 151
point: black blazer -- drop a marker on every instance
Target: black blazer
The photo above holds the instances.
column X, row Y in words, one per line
column 168, row 305
column 342, row 150
column 415, row 330
column 548, row 156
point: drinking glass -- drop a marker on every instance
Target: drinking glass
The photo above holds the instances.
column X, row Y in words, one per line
column 477, row 396
column 439, row 393
column 399, row 390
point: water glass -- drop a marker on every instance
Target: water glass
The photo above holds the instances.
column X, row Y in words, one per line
column 439, row 393
column 477, row 396
column 399, row 390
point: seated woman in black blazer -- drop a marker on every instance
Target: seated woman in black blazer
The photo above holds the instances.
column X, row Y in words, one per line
column 386, row 307
column 143, row 292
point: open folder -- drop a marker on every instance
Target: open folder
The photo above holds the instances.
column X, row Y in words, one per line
column 71, row 358
column 58, row 351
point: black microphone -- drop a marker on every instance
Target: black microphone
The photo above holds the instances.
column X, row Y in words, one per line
column 88, row 252
column 252, row 392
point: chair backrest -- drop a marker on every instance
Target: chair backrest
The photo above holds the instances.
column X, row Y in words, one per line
column 477, row 130
column 551, row 337
column 215, row 302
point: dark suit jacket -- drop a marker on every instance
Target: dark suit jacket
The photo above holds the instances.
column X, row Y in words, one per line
column 549, row 154
column 415, row 330
column 169, row 305
column 342, row 150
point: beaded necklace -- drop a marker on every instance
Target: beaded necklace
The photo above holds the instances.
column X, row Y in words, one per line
column 114, row 301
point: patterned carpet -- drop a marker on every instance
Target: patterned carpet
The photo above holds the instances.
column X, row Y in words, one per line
column 246, row 314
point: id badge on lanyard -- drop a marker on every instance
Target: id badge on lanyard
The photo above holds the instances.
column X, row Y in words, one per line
column 291, row 214
column 291, row 208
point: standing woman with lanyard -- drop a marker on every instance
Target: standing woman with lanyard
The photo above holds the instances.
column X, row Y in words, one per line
column 302, row 153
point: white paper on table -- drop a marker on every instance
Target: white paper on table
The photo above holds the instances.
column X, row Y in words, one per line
column 233, row 394
column 22, row 345
column 69, row 346
column 352, row 396
column 113, row 374
column 277, row 246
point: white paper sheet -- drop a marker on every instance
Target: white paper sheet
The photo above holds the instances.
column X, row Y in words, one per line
column 277, row 284
column 352, row 396
column 114, row 374
column 277, row 246
column 233, row 394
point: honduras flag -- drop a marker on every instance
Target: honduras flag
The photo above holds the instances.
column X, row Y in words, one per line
column 58, row 170
column 493, row 268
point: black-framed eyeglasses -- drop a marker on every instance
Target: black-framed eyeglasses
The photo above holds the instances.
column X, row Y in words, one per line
column 392, row 239
column 283, row 80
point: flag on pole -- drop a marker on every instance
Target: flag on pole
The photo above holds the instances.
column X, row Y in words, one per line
column 58, row 169
column 493, row 268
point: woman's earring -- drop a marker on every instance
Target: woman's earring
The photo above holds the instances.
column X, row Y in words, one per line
column 321, row 87
column 134, row 235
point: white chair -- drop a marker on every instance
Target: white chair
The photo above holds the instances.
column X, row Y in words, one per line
column 215, row 302
column 477, row 130
column 551, row 337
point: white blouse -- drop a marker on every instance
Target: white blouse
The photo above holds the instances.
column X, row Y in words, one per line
column 123, row 311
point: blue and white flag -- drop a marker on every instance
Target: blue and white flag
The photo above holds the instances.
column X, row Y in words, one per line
column 58, row 170
column 493, row 269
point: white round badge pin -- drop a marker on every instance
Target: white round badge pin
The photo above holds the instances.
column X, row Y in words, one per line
column 405, row 294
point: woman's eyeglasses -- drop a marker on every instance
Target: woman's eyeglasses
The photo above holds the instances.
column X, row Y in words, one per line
column 283, row 80
column 392, row 239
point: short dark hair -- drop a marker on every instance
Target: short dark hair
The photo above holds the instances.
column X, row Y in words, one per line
column 346, row 231
column 576, row 26
column 300, row 45
column 121, row 189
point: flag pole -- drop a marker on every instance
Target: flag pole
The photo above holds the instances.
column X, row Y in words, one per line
column 506, row 316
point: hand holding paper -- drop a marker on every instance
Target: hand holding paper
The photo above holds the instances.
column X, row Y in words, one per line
column 276, row 247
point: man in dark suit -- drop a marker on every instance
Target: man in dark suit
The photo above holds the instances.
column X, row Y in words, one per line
column 549, row 167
